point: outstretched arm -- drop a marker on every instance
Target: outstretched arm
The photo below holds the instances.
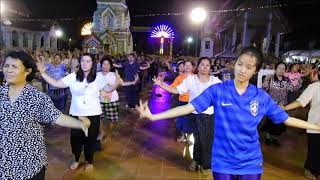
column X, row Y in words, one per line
column 293, row 105
column 298, row 123
column 70, row 122
column 129, row 83
column 144, row 111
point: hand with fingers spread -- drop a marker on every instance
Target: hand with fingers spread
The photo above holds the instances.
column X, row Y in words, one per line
column 144, row 110
column 158, row 80
column 41, row 66
column 85, row 124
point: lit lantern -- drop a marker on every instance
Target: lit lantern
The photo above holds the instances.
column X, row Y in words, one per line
column 163, row 32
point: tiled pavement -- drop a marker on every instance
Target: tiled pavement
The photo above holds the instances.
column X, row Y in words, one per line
column 147, row 150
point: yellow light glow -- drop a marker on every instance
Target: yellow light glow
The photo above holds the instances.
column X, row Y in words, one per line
column 87, row 29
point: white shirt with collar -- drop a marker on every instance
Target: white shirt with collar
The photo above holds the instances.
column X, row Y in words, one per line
column 85, row 96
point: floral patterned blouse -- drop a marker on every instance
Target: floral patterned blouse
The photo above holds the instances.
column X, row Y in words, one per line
column 22, row 146
column 278, row 89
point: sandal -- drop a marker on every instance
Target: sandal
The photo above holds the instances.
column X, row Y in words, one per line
column 309, row 175
column 74, row 165
column 181, row 139
column 88, row 168
column 193, row 166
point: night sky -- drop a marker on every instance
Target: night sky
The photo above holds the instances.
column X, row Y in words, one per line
column 301, row 14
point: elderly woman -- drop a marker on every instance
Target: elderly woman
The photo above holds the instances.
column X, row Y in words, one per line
column 23, row 111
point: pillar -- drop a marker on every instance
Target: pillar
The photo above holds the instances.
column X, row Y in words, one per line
column 244, row 33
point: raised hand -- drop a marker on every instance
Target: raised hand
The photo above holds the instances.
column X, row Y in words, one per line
column 158, row 80
column 144, row 110
column 41, row 66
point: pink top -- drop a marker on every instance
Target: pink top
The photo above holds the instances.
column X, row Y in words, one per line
column 295, row 78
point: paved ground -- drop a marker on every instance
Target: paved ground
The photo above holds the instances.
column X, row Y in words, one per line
column 148, row 150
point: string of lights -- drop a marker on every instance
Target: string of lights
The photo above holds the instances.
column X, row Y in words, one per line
column 158, row 14
column 218, row 11
column 42, row 20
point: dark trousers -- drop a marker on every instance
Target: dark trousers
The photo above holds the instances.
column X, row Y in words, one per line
column 40, row 175
column 312, row 162
column 79, row 140
column 203, row 138
column 132, row 95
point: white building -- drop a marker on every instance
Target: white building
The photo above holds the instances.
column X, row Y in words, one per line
column 24, row 34
column 111, row 23
column 225, row 33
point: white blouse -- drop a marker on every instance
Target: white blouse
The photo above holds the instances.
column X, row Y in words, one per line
column 85, row 96
column 192, row 85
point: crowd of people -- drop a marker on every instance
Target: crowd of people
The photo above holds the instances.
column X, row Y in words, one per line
column 221, row 103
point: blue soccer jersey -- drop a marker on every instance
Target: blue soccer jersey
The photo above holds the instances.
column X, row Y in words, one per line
column 236, row 147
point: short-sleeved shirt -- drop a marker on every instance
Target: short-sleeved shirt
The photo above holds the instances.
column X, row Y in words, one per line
column 312, row 94
column 182, row 97
column 85, row 96
column 236, row 147
column 22, row 145
column 192, row 85
column 108, row 79
column 56, row 72
column 130, row 70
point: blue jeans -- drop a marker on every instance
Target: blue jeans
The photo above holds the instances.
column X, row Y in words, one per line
column 58, row 97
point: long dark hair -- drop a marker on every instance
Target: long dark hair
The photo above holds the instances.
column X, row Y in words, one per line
column 93, row 72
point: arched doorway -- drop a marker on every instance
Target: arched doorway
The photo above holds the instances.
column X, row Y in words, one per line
column 15, row 39
column 25, row 40
column 52, row 43
column 42, row 42
column 35, row 41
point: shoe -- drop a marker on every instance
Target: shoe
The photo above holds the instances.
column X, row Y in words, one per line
column 74, row 165
column 88, row 168
column 193, row 166
column 267, row 141
column 309, row 175
column 181, row 139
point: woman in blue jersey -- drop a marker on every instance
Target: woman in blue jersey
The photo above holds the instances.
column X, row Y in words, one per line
column 239, row 108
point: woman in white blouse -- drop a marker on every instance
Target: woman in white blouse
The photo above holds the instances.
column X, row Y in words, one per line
column 85, row 89
column 203, row 124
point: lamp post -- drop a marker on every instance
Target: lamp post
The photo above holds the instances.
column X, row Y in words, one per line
column 198, row 16
column 189, row 41
column 58, row 34
column 69, row 43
